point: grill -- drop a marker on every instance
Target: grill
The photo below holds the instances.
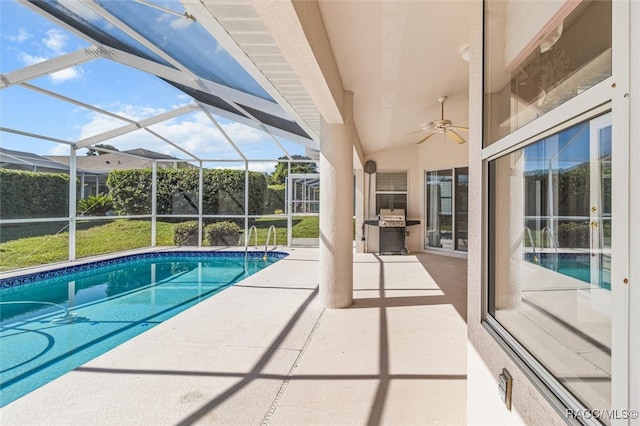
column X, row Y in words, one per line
column 391, row 218
column 392, row 228
column 391, row 231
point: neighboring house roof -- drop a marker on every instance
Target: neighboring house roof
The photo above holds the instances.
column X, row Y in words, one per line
column 25, row 160
column 98, row 164
column 150, row 154
column 106, row 162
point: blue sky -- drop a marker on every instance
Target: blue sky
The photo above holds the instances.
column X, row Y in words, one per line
column 27, row 38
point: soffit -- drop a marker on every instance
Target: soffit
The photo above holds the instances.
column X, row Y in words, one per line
column 245, row 27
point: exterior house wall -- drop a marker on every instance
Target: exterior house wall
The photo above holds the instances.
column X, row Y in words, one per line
column 435, row 154
column 485, row 357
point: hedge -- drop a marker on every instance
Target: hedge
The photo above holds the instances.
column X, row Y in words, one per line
column 223, row 191
column 275, row 199
column 33, row 194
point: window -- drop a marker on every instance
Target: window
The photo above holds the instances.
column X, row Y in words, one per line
column 391, row 190
column 446, row 209
column 540, row 56
column 550, row 255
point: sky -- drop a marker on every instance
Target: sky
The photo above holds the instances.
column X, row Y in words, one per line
column 27, row 38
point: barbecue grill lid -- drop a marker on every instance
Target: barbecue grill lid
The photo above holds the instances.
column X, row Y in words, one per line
column 391, row 212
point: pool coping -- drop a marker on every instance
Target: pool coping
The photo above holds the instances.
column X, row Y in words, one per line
column 30, row 275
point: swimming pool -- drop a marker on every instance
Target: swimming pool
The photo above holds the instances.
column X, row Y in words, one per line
column 53, row 322
column 576, row 265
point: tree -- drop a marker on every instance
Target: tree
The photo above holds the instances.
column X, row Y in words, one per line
column 93, row 152
column 281, row 172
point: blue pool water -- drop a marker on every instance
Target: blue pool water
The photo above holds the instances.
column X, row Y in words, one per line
column 53, row 322
column 576, row 265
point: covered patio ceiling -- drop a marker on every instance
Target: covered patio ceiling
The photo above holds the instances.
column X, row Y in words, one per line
column 397, row 57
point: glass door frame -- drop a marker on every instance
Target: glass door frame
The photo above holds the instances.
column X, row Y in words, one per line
column 597, row 246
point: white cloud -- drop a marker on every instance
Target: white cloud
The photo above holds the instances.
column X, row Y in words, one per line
column 23, row 35
column 56, row 41
column 193, row 133
column 59, row 149
column 27, row 59
column 81, row 10
column 179, row 23
column 242, row 134
column 68, row 74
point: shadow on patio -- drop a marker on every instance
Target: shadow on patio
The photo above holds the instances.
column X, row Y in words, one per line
column 265, row 352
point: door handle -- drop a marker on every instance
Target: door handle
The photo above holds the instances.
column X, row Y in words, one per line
column 593, row 226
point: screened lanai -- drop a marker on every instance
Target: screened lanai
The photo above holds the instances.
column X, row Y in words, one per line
column 147, row 95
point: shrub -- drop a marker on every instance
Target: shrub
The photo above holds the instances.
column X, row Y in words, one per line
column 33, row 194
column 224, row 233
column 95, row 205
column 573, row 234
column 186, row 233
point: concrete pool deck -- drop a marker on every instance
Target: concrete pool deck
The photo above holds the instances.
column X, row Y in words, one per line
column 265, row 352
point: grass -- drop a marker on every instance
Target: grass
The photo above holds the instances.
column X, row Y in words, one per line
column 113, row 236
column 98, row 237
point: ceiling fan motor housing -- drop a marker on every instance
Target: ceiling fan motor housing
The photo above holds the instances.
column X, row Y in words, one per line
column 441, row 124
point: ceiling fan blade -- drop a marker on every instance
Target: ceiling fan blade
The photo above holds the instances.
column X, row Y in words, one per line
column 413, row 133
column 428, row 136
column 458, row 128
column 456, row 137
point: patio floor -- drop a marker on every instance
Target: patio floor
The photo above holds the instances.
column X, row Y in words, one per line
column 265, row 352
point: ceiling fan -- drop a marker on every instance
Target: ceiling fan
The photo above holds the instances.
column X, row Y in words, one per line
column 442, row 126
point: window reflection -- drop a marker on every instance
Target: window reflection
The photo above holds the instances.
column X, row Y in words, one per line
column 550, row 245
column 540, row 55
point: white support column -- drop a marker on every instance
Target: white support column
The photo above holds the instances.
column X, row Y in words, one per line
column 82, row 186
column 246, row 200
column 154, row 195
column 200, row 202
column 72, row 202
column 336, row 212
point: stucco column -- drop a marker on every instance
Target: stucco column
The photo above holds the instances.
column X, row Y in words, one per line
column 336, row 213
column 510, row 233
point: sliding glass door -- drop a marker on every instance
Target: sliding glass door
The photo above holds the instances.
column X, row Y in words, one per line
column 446, row 209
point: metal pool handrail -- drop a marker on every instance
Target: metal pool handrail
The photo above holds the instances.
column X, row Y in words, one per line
column 552, row 242
column 266, row 244
column 248, row 237
column 533, row 243
column 552, row 239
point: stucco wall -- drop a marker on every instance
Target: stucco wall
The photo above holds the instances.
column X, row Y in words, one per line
column 435, row 154
column 485, row 358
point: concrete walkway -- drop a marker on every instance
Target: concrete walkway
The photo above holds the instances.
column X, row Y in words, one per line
column 265, row 352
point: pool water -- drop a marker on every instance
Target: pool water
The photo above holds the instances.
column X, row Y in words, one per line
column 49, row 326
column 576, row 265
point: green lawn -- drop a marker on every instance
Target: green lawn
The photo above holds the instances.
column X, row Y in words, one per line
column 114, row 236
column 119, row 235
